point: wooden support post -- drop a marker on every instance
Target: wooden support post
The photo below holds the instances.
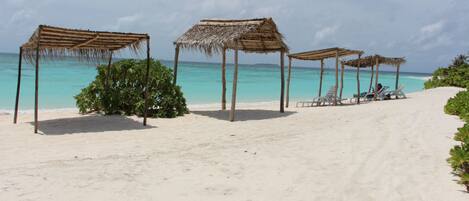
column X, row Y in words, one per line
column 176, row 60
column 321, row 72
column 36, row 86
column 336, row 75
column 15, row 118
column 341, row 80
column 145, row 110
column 282, row 81
column 376, row 79
column 358, row 78
column 397, row 78
column 371, row 80
column 108, row 72
column 235, row 82
column 223, row 80
column 288, row 81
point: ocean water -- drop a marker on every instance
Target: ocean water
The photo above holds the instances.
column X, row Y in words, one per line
column 60, row 80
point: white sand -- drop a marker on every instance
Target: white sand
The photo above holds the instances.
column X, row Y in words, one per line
column 390, row 150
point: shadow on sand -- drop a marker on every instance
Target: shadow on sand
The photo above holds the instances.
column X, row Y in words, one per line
column 244, row 115
column 89, row 124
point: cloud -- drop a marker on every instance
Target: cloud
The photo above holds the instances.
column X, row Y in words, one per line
column 432, row 36
column 432, row 28
column 21, row 15
column 388, row 27
column 129, row 20
column 324, row 33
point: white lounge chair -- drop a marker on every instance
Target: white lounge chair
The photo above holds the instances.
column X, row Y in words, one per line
column 399, row 93
column 318, row 101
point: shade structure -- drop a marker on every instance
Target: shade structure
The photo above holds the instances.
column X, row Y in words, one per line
column 211, row 36
column 369, row 61
column 375, row 61
column 321, row 55
column 51, row 42
column 324, row 54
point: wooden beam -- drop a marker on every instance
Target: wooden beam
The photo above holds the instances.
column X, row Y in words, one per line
column 341, row 80
column 48, row 29
column 36, row 86
column 235, row 82
column 320, row 77
column 376, row 79
column 223, row 80
column 282, row 81
column 176, row 60
column 336, row 75
column 69, row 46
column 86, row 42
column 108, row 72
column 145, row 110
column 324, row 54
column 96, row 42
column 371, row 80
column 18, row 87
column 79, row 36
column 397, row 78
column 288, row 81
column 358, row 79
column 79, row 39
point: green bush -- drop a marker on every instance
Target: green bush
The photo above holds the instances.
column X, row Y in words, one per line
column 463, row 134
column 459, row 105
column 457, row 76
column 459, row 155
column 459, row 161
column 125, row 91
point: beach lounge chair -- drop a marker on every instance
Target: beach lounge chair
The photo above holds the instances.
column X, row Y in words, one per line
column 364, row 96
column 383, row 93
column 318, row 101
column 399, row 93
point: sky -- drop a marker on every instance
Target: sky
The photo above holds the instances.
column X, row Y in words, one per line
column 429, row 33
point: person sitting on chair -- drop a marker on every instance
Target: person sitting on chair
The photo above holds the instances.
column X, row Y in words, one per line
column 380, row 87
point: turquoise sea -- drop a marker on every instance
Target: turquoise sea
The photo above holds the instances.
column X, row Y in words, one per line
column 200, row 82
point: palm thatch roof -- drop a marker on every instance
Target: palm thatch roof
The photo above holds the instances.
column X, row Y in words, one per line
column 369, row 61
column 324, row 53
column 56, row 42
column 249, row 35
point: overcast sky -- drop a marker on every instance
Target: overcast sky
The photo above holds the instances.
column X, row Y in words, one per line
column 429, row 33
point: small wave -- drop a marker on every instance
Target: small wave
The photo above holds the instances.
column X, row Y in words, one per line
column 419, row 78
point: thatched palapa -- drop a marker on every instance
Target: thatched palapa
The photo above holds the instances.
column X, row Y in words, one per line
column 249, row 35
column 369, row 61
column 324, row 54
column 56, row 42
column 372, row 61
column 320, row 55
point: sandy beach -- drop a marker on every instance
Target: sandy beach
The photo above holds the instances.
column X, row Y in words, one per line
column 388, row 150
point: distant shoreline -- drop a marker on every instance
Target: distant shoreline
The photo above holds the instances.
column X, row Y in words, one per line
column 262, row 65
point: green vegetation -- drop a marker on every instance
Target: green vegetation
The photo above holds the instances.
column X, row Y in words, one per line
column 459, row 154
column 125, row 91
column 457, row 74
column 459, row 105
